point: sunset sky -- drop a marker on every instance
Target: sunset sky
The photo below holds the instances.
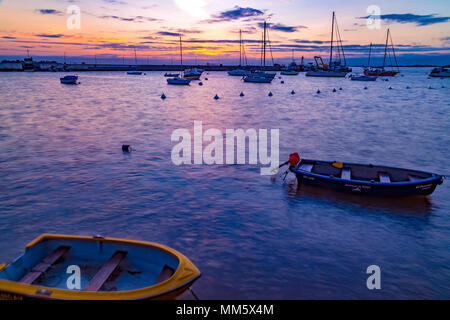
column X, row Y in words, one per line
column 110, row 29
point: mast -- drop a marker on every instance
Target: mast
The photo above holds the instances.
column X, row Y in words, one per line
column 370, row 52
column 332, row 34
column 135, row 57
column 240, row 47
column 181, row 55
column 264, row 46
column 385, row 47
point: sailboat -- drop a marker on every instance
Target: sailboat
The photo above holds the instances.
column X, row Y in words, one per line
column 135, row 72
column 239, row 71
column 261, row 76
column 336, row 67
column 293, row 69
column 381, row 71
column 178, row 80
column 364, row 77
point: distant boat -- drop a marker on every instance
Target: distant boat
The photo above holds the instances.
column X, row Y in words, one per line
column 257, row 79
column 69, row 80
column 261, row 76
column 336, row 67
column 440, row 72
column 363, row 78
column 381, row 71
column 178, row 80
column 171, row 74
column 289, row 73
column 135, row 72
column 193, row 74
column 111, row 269
column 365, row 179
column 240, row 72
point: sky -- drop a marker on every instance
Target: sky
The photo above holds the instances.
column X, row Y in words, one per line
column 110, row 30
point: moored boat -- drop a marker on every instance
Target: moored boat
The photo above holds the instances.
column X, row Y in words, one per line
column 362, row 78
column 441, row 72
column 289, row 73
column 179, row 81
column 257, row 79
column 109, row 269
column 136, row 73
column 381, row 71
column 167, row 74
column 69, row 79
column 364, row 179
column 326, row 73
column 238, row 72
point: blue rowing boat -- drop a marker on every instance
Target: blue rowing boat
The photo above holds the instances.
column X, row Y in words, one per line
column 365, row 179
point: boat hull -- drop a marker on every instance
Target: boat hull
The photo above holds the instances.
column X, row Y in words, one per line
column 257, row 79
column 368, row 188
column 329, row 74
column 364, row 78
column 381, row 74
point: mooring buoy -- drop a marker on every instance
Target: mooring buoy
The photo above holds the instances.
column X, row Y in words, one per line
column 334, row 89
column 365, row 88
column 126, row 148
column 216, row 97
column 390, row 88
column 206, row 78
column 282, row 81
column 163, row 96
column 270, row 93
column 242, row 94
column 200, row 83
column 318, row 91
column 340, row 88
column 408, row 87
column 292, row 92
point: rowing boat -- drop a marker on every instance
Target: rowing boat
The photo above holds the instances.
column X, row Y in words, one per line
column 108, row 269
column 365, row 179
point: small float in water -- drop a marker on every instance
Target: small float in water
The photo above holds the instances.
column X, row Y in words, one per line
column 110, row 269
column 364, row 179
column 69, row 80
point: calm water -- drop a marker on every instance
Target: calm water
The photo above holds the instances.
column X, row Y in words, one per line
column 62, row 170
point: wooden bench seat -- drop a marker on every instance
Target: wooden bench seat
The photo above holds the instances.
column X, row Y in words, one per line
column 384, row 177
column 44, row 265
column 306, row 167
column 346, row 174
column 414, row 178
column 165, row 274
column 105, row 271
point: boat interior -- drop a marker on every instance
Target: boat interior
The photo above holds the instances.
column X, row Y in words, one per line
column 361, row 172
column 104, row 266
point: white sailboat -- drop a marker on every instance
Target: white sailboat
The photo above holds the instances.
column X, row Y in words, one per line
column 239, row 71
column 261, row 76
column 179, row 80
column 335, row 68
column 135, row 72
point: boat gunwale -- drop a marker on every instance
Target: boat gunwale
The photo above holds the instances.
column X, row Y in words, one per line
column 397, row 183
column 185, row 269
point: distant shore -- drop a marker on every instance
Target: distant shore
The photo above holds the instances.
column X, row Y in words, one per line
column 52, row 66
